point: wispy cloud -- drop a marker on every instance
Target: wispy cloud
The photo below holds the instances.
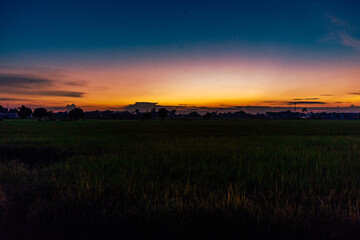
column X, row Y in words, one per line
column 307, row 102
column 22, row 81
column 299, row 99
column 341, row 32
column 15, row 99
column 28, row 84
column 336, row 21
column 49, row 93
column 354, row 93
column 78, row 83
column 349, row 41
column 60, row 93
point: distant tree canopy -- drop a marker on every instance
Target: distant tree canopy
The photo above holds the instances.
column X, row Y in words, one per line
column 207, row 116
column 146, row 116
column 194, row 115
column 24, row 112
column 304, row 110
column 162, row 113
column 2, row 109
column 51, row 115
column 76, row 113
column 173, row 112
column 40, row 113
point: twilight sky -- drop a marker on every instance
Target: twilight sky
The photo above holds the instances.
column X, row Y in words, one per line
column 200, row 54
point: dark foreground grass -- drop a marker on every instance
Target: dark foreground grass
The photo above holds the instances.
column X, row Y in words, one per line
column 180, row 180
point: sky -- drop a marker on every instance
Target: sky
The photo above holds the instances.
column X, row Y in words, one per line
column 220, row 55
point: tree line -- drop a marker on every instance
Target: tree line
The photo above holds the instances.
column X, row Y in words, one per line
column 77, row 113
column 74, row 114
column 41, row 113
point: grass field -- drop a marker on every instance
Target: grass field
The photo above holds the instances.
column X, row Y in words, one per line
column 180, row 179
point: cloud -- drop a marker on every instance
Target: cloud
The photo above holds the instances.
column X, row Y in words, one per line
column 50, row 93
column 79, row 83
column 143, row 106
column 14, row 99
column 355, row 93
column 22, row 81
column 28, row 84
column 60, row 93
column 340, row 32
column 326, row 95
column 349, row 41
column 299, row 99
column 307, row 102
column 336, row 21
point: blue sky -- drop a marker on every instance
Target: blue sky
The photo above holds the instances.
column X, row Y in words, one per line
column 61, row 26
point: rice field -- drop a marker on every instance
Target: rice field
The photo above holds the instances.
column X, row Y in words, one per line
column 253, row 179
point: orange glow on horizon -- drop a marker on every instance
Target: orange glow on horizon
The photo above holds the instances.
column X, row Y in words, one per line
column 212, row 83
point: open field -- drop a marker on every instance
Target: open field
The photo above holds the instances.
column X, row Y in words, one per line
column 180, row 179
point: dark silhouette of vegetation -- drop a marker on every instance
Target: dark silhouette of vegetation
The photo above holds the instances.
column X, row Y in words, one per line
column 51, row 115
column 194, row 115
column 24, row 112
column 146, row 116
column 172, row 113
column 162, row 113
column 40, row 113
column 76, row 113
column 207, row 116
column 2, row 109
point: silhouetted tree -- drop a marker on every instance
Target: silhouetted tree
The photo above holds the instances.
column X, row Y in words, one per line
column 13, row 110
column 146, row 116
column 40, row 113
column 162, row 113
column 76, row 113
column 194, row 115
column 172, row 113
column 51, row 115
column 304, row 110
column 3, row 110
column 24, row 112
column 207, row 116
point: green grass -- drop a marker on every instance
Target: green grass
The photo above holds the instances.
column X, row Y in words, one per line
column 180, row 179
